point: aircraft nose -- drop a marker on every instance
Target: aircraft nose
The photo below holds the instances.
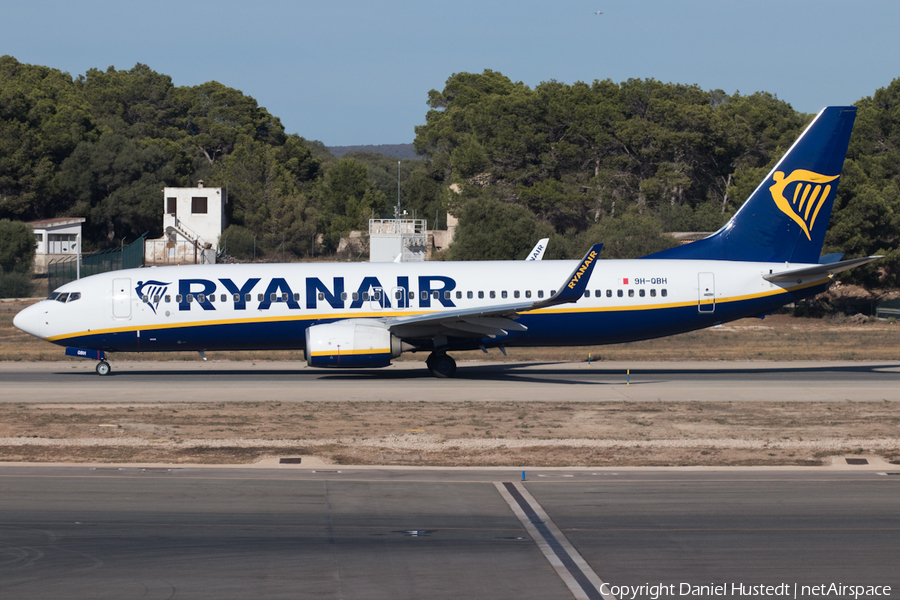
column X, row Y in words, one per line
column 29, row 320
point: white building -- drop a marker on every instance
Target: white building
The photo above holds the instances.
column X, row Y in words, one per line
column 390, row 238
column 55, row 239
column 193, row 220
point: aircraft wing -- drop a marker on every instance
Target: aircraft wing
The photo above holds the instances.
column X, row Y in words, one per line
column 492, row 320
column 817, row 270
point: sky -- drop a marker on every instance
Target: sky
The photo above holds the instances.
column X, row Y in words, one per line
column 350, row 72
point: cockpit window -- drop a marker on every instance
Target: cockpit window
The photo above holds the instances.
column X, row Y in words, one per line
column 53, row 296
column 74, row 296
column 62, row 297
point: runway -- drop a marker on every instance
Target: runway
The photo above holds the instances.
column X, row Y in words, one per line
column 81, row 532
column 410, row 381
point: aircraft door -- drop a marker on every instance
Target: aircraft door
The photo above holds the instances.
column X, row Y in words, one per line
column 707, row 292
column 399, row 298
column 121, row 297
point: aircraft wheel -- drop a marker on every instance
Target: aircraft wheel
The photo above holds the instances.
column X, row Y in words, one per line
column 103, row 368
column 442, row 365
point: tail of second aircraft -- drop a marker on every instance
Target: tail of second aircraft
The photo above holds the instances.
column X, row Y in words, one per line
column 785, row 218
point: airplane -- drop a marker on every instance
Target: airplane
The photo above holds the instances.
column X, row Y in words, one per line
column 366, row 314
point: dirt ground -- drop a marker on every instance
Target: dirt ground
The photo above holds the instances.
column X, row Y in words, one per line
column 487, row 433
column 453, row 434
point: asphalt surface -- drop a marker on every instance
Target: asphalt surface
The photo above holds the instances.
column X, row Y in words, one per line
column 291, row 532
column 239, row 381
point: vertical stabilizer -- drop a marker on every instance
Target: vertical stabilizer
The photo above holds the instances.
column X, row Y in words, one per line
column 785, row 218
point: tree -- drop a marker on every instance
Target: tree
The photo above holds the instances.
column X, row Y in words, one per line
column 17, row 247
column 345, row 200
column 493, row 230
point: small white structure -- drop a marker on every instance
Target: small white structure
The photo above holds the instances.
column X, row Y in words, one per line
column 390, row 238
column 55, row 239
column 193, row 220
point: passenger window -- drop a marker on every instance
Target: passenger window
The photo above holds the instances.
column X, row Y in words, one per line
column 201, row 298
column 168, row 299
column 436, row 295
column 493, row 294
column 296, row 296
column 223, row 298
column 653, row 292
column 469, row 295
column 503, row 294
column 458, row 295
column 248, row 297
column 412, row 295
column 376, row 296
column 178, row 298
column 236, row 297
column 609, row 293
column 155, row 299
column 259, row 297
column 398, row 295
column 619, row 293
column 516, row 294
column 356, row 295
column 641, row 293
column 480, row 295
column 284, row 297
column 272, row 297
column 212, row 297
column 528, row 293
column 144, row 298
column 343, row 295
column 663, row 292
column 424, row 295
column 540, row 293
column 189, row 298
column 446, row 295
column 587, row 293
column 631, row 293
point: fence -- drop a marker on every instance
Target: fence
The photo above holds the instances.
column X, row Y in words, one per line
column 64, row 270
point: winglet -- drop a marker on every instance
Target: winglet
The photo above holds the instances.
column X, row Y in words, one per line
column 574, row 287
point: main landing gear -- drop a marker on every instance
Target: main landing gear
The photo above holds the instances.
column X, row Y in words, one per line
column 441, row 365
column 103, row 368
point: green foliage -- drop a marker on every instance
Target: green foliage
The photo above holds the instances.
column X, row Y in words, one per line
column 575, row 155
column 619, row 163
column 15, row 285
column 16, row 247
column 493, row 230
column 346, row 199
column 239, row 242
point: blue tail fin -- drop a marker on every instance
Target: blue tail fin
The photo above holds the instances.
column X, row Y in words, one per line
column 785, row 218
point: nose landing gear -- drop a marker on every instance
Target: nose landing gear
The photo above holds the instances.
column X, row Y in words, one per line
column 103, row 368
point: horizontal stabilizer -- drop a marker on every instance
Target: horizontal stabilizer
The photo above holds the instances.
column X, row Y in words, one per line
column 818, row 270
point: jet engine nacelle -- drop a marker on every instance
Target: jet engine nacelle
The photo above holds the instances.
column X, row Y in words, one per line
column 350, row 343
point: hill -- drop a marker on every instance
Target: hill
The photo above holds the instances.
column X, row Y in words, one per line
column 399, row 151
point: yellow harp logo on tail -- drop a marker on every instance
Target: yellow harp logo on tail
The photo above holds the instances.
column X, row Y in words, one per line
column 809, row 193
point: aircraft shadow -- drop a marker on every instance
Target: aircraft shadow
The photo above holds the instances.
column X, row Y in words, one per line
column 536, row 372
